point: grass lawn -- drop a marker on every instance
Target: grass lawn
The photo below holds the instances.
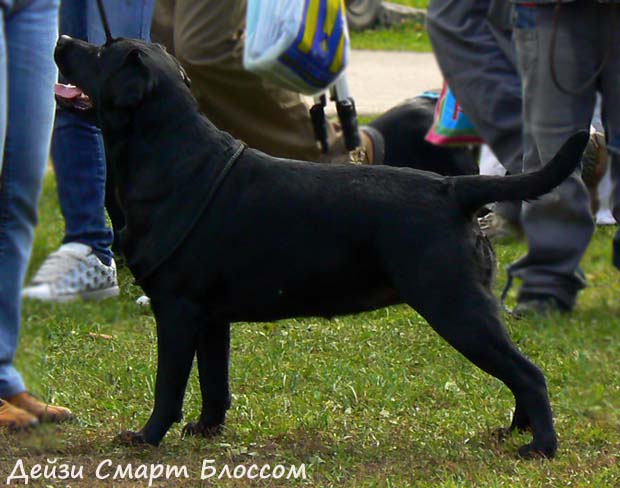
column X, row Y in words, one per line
column 409, row 36
column 374, row 400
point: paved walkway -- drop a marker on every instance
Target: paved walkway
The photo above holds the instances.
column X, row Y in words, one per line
column 378, row 80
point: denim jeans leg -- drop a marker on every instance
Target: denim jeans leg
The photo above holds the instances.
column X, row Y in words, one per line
column 126, row 18
column 30, row 32
column 79, row 163
column 79, row 160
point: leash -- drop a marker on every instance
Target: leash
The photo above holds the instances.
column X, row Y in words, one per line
column 104, row 22
column 552, row 50
column 505, row 291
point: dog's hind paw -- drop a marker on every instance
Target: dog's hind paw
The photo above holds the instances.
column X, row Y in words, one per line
column 130, row 438
column 198, row 429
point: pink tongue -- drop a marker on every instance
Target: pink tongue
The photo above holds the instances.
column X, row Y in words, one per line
column 67, row 91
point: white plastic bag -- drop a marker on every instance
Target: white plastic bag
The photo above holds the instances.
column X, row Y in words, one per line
column 301, row 45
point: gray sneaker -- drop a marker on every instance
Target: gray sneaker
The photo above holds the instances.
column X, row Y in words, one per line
column 72, row 272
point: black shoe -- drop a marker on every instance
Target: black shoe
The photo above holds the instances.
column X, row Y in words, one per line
column 531, row 304
column 498, row 228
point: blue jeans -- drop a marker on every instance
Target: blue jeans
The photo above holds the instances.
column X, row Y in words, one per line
column 28, row 34
column 77, row 146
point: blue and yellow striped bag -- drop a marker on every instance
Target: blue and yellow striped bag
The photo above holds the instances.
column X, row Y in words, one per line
column 301, row 45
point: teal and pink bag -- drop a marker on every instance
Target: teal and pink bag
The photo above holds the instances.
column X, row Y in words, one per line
column 451, row 126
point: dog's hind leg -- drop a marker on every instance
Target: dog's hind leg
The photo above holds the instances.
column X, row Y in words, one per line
column 465, row 315
column 213, row 362
column 176, row 346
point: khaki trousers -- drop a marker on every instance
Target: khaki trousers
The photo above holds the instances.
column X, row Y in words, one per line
column 207, row 38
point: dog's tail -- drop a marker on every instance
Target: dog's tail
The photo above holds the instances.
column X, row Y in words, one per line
column 472, row 192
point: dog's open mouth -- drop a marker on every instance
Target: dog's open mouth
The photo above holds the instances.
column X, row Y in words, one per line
column 70, row 96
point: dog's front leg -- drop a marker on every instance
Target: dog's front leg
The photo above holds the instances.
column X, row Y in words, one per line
column 213, row 361
column 176, row 345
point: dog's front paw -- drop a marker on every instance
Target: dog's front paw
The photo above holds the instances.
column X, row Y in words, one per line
column 200, row 429
column 130, row 438
column 532, row 451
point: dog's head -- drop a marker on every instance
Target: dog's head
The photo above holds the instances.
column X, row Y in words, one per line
column 117, row 77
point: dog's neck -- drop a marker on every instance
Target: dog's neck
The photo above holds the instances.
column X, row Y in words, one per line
column 162, row 159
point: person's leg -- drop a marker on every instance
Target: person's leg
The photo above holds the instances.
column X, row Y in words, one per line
column 127, row 18
column 79, row 160
column 30, row 34
column 615, row 176
column 472, row 42
column 208, row 40
column 83, row 266
column 559, row 225
column 477, row 59
column 162, row 27
column 610, row 88
column 10, row 380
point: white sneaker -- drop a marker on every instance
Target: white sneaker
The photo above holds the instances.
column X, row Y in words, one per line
column 73, row 272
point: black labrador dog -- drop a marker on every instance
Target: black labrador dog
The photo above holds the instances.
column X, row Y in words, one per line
column 218, row 233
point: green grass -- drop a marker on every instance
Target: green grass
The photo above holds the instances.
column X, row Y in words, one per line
column 412, row 3
column 409, row 36
column 373, row 400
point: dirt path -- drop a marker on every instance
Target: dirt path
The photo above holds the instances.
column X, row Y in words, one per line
column 379, row 80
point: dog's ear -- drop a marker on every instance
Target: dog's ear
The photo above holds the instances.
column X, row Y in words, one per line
column 126, row 88
column 186, row 79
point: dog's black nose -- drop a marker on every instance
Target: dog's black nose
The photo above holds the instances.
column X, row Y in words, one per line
column 63, row 40
column 61, row 46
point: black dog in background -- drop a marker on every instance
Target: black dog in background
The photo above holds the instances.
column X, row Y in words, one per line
column 219, row 233
column 403, row 129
